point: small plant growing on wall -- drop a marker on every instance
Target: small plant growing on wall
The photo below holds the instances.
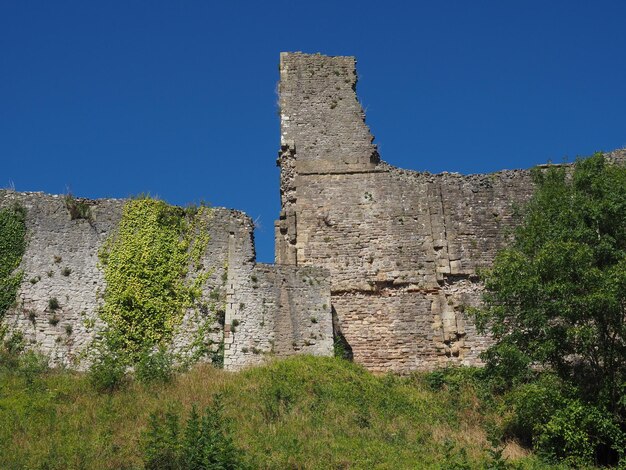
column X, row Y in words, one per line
column 66, row 271
column 76, row 208
column 54, row 321
column 53, row 304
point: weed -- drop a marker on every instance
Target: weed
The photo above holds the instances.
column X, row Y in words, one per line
column 57, row 259
column 66, row 271
column 77, row 208
column 108, row 372
column 205, row 442
column 68, row 329
column 155, row 367
column 54, row 320
column 53, row 304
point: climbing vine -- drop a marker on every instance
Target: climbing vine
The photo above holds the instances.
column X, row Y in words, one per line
column 153, row 272
column 12, row 246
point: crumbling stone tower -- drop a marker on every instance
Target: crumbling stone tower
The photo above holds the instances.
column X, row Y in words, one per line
column 402, row 247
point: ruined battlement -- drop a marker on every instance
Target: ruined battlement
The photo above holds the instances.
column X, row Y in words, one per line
column 402, row 247
column 382, row 259
column 252, row 310
column 320, row 113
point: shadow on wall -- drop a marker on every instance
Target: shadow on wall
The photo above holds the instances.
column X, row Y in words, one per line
column 340, row 344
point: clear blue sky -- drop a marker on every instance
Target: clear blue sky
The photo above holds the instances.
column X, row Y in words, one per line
column 177, row 98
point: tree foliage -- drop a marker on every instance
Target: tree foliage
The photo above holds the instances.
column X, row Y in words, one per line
column 556, row 298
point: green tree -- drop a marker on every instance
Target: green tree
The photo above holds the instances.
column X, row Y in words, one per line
column 556, row 298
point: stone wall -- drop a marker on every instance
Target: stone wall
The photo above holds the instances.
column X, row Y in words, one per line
column 386, row 257
column 60, row 263
column 267, row 304
column 402, row 247
column 292, row 314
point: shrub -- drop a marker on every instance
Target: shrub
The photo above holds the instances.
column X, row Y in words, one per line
column 10, row 348
column 108, row 372
column 533, row 404
column 154, row 367
column 205, row 443
column 66, row 271
column 31, row 365
column 580, row 434
column 162, row 449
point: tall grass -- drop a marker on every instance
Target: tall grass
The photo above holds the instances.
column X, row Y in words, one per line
column 302, row 412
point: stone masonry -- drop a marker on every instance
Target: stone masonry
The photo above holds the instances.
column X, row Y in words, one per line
column 277, row 310
column 402, row 247
column 383, row 258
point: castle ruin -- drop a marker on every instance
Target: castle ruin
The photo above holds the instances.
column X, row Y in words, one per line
column 382, row 259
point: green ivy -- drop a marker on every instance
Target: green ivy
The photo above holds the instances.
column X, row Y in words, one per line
column 12, row 246
column 146, row 267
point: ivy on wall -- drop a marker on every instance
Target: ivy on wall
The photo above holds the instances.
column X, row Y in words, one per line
column 153, row 272
column 12, row 246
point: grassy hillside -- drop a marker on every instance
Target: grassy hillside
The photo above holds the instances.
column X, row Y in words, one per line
column 302, row 412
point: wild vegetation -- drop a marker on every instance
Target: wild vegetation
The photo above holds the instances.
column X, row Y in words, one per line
column 303, row 412
column 12, row 246
column 146, row 265
column 552, row 394
column 78, row 209
column 556, row 304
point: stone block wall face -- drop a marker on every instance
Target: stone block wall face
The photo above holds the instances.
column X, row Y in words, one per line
column 292, row 315
column 268, row 303
column 391, row 255
column 402, row 247
column 57, row 245
column 230, row 250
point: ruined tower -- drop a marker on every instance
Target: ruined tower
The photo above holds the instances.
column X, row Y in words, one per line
column 402, row 247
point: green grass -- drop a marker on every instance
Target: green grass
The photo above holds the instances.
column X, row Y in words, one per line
column 302, row 412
